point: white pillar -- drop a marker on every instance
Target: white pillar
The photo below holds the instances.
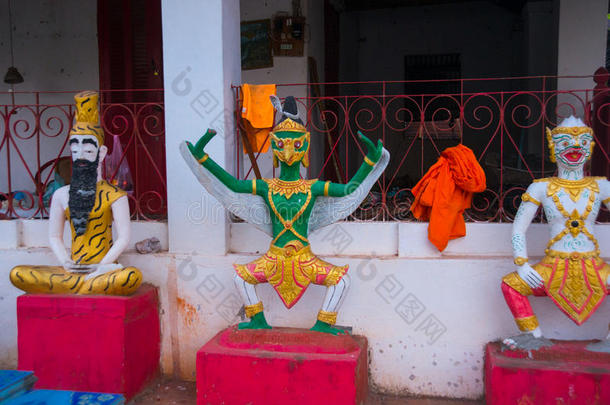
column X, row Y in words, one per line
column 201, row 59
column 582, row 44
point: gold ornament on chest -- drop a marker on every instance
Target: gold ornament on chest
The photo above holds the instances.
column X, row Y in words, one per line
column 575, row 223
column 573, row 188
column 289, row 188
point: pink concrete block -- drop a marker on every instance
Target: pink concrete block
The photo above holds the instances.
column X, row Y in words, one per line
column 565, row 373
column 282, row 366
column 90, row 343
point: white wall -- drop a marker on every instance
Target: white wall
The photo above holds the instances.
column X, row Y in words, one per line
column 34, row 233
column 427, row 316
column 55, row 47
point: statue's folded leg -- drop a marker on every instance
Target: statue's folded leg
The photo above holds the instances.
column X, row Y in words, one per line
column 46, row 280
column 516, row 295
column 246, row 291
column 124, row 281
column 334, row 297
column 516, row 292
column 56, row 280
column 337, row 281
column 244, row 282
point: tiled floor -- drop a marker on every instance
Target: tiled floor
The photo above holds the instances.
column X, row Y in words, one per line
column 174, row 392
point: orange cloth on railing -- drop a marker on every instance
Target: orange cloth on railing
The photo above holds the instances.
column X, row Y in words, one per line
column 258, row 114
column 445, row 191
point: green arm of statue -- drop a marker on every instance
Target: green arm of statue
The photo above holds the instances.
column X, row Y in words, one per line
column 238, row 186
column 340, row 190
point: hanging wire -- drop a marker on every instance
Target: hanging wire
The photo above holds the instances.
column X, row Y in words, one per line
column 10, row 30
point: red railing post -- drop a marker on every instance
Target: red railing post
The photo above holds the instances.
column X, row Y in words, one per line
column 600, row 121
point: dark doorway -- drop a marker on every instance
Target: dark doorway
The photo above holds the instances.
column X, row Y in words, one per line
column 131, row 83
column 130, row 48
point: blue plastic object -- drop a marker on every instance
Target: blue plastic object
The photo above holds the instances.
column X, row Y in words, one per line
column 14, row 383
column 52, row 397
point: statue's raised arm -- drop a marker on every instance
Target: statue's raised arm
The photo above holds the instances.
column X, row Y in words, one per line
column 373, row 154
column 198, row 152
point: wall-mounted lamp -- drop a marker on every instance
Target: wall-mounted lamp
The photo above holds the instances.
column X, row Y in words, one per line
column 13, row 76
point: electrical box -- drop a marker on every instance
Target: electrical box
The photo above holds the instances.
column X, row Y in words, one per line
column 288, row 35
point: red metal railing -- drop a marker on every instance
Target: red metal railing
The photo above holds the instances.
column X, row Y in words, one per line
column 34, row 129
column 502, row 120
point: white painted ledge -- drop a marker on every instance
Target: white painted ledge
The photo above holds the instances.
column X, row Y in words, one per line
column 10, row 234
column 30, row 233
column 482, row 239
column 406, row 239
column 378, row 239
column 339, row 239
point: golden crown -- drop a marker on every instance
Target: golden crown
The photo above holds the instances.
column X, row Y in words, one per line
column 574, row 131
column 86, row 107
column 87, row 116
column 289, row 125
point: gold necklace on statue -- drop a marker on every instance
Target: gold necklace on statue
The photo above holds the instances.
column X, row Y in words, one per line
column 575, row 222
column 573, row 188
column 289, row 188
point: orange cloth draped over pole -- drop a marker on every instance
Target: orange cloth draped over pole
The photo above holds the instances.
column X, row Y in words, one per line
column 445, row 191
column 258, row 114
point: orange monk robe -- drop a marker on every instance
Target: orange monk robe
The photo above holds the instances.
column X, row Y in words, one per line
column 445, row 191
column 258, row 114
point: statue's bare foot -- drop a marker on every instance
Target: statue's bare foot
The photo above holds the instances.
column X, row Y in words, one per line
column 526, row 342
column 603, row 346
column 328, row 328
column 258, row 321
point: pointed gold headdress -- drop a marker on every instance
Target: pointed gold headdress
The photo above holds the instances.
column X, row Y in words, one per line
column 287, row 148
column 87, row 116
column 288, row 125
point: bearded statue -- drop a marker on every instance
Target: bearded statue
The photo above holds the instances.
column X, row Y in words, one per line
column 93, row 207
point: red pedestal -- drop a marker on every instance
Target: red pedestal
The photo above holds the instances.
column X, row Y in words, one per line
column 282, row 366
column 90, row 343
column 562, row 374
